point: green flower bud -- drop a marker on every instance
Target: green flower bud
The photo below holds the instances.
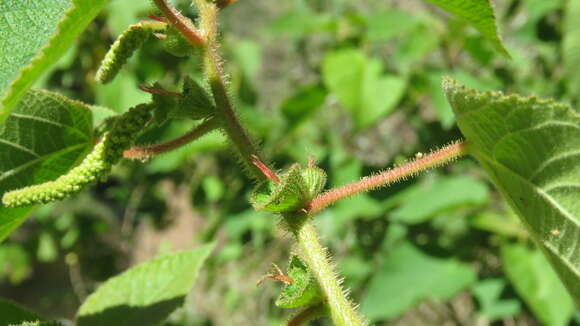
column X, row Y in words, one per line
column 315, row 179
column 289, row 196
column 303, row 291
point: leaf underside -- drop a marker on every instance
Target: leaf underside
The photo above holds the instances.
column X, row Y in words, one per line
column 531, row 149
column 44, row 137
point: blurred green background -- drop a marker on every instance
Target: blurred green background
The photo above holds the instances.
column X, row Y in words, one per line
column 354, row 84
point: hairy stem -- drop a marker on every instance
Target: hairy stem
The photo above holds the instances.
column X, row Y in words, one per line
column 181, row 23
column 422, row 163
column 307, row 315
column 341, row 309
column 216, row 78
column 146, row 152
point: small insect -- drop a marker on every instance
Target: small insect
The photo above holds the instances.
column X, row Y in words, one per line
column 278, row 276
column 555, row 232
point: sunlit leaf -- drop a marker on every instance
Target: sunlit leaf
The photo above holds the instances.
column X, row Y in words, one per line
column 145, row 294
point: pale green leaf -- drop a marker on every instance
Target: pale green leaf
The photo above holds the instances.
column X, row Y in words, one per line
column 488, row 293
column 531, row 149
column 428, row 199
column 360, row 85
column 12, row 313
column 409, row 276
column 386, row 25
column 44, row 137
column 145, row 294
column 25, row 29
column 537, row 284
column 480, row 14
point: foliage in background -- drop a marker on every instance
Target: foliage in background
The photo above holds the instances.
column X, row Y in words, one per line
column 356, row 84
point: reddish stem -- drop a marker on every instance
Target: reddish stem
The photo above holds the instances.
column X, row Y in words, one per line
column 180, row 22
column 145, row 152
column 158, row 18
column 224, row 3
column 307, row 315
column 265, row 170
column 154, row 90
column 423, row 162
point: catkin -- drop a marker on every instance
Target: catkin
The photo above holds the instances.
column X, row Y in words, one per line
column 95, row 166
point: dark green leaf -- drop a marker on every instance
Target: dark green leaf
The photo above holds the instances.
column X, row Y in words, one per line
column 11, row 313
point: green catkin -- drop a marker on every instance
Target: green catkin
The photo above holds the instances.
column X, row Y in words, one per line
column 94, row 167
column 124, row 47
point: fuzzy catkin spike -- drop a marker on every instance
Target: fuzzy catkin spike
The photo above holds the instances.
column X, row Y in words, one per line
column 124, row 47
column 94, row 167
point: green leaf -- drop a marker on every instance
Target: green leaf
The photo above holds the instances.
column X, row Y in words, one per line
column 25, row 26
column 360, row 85
column 15, row 263
column 478, row 13
column 502, row 223
column 299, row 23
column 145, row 294
column 537, row 284
column 386, row 25
column 11, row 313
column 488, row 294
column 28, row 26
column 303, row 104
column 531, row 149
column 427, row 200
column 45, row 136
column 571, row 46
column 38, row 323
column 410, row 276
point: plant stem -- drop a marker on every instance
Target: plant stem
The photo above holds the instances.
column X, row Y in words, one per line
column 216, row 79
column 146, row 152
column 422, row 163
column 181, row 23
column 307, row 315
column 341, row 309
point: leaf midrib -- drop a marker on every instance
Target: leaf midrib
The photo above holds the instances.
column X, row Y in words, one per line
column 54, row 123
column 16, row 170
column 549, row 199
